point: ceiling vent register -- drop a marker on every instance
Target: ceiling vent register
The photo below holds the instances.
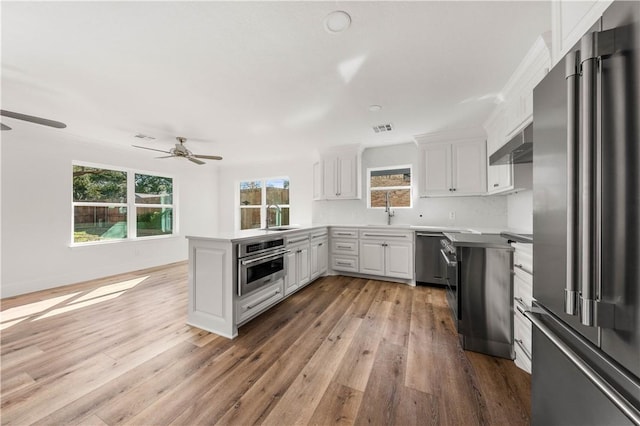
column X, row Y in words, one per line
column 381, row 128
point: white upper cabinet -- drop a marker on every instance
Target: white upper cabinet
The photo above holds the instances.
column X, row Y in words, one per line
column 337, row 176
column 452, row 166
column 512, row 116
column 570, row 20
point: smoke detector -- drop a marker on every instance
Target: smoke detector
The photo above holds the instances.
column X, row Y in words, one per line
column 381, row 128
column 337, row 21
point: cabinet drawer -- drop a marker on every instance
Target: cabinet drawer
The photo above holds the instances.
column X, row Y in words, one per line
column 522, row 360
column 523, row 256
column 344, row 233
column 254, row 303
column 344, row 263
column 523, row 287
column 377, row 234
column 522, row 333
column 344, row 246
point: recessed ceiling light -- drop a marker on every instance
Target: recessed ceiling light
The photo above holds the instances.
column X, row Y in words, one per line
column 337, row 21
column 375, row 108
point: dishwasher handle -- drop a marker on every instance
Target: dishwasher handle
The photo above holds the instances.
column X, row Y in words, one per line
column 446, row 258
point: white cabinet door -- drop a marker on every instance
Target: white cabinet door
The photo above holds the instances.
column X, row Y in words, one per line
column 469, row 167
column 340, row 178
column 318, row 254
column 399, row 260
column 437, row 169
column 330, row 182
column 304, row 276
column 323, row 257
column 499, row 178
column 347, row 176
column 372, row 257
column 291, row 280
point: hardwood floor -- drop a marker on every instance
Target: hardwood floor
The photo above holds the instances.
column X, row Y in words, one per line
column 341, row 351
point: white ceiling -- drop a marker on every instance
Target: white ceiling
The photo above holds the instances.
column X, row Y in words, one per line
column 254, row 80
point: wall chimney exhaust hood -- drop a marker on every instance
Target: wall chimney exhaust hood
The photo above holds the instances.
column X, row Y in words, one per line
column 517, row 151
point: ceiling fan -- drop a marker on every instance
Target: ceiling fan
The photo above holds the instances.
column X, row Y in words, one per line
column 31, row 119
column 181, row 151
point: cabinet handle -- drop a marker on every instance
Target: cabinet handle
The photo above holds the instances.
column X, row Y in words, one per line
column 385, row 235
column 264, row 299
column 524, row 349
column 495, row 185
column 343, row 263
column 344, row 233
column 519, row 266
column 343, row 247
column 320, row 244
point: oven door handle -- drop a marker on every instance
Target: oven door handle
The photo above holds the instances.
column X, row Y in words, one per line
column 446, row 258
column 268, row 256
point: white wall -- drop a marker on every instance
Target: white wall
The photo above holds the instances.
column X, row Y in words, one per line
column 299, row 171
column 469, row 211
column 36, row 210
column 520, row 211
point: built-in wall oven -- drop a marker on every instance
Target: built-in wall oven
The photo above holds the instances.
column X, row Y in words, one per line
column 260, row 262
column 450, row 260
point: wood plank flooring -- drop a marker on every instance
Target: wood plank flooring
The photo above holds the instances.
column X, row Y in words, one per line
column 341, row 351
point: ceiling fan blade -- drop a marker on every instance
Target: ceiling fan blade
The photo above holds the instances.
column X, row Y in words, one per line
column 208, row 157
column 3, row 127
column 151, row 149
column 195, row 160
column 166, row 156
column 33, row 119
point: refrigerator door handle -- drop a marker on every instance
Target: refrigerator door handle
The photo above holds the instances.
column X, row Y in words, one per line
column 609, row 391
column 588, row 178
column 592, row 47
column 571, row 292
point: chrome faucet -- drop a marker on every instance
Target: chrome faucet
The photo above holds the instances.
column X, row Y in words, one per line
column 278, row 214
column 387, row 207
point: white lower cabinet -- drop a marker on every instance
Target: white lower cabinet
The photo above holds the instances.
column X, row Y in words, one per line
column 523, row 296
column 386, row 253
column 298, row 271
column 319, row 252
column 251, row 305
column 344, row 249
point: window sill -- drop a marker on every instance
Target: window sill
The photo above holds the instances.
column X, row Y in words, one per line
column 123, row 241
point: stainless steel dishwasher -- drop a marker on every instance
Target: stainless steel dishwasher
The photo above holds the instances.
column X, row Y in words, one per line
column 430, row 268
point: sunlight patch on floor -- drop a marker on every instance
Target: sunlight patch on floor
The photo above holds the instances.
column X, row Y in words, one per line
column 13, row 316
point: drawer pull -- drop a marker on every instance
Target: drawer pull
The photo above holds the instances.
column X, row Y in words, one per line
column 519, row 266
column 384, row 235
column 344, row 233
column 264, row 299
column 343, row 247
column 343, row 263
column 520, row 343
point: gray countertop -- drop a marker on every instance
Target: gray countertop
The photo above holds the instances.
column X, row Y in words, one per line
column 478, row 240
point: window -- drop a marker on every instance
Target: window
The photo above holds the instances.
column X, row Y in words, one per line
column 264, row 201
column 111, row 204
column 394, row 181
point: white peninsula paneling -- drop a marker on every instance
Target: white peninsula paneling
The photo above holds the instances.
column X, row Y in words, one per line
column 37, row 210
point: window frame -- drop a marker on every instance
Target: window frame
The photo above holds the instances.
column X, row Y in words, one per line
column 390, row 188
column 130, row 205
column 263, row 199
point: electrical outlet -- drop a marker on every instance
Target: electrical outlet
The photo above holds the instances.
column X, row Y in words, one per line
column 452, row 215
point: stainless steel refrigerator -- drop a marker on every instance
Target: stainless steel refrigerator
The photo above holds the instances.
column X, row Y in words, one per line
column 586, row 171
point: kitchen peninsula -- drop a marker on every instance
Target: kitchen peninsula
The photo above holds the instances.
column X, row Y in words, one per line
column 235, row 277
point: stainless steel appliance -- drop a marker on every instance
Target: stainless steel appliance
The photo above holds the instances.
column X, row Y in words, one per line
column 449, row 256
column 430, row 269
column 260, row 262
column 586, row 170
column 518, row 150
column 480, row 291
